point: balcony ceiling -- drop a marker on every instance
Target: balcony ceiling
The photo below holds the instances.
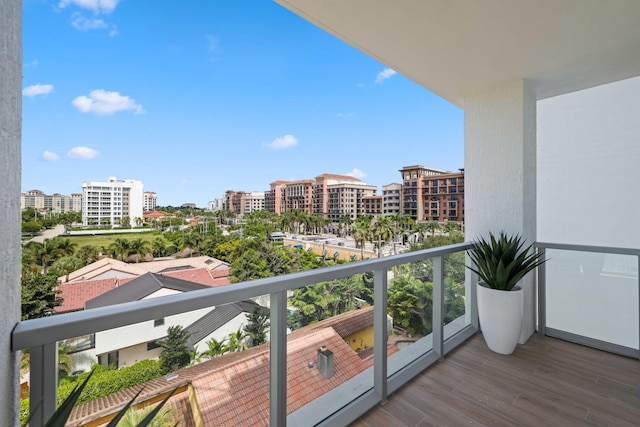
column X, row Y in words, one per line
column 457, row 48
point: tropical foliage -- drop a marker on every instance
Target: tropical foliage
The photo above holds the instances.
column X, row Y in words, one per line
column 502, row 261
column 175, row 353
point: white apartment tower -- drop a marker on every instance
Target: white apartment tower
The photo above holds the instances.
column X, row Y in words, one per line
column 150, row 201
column 106, row 203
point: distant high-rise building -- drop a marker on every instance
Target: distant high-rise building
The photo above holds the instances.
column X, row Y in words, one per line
column 430, row 194
column 244, row 202
column 328, row 195
column 391, row 199
column 56, row 203
column 216, row 204
column 106, row 203
column 150, row 201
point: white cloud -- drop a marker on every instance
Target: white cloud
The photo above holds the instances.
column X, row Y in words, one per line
column 105, row 103
column 50, row 156
column 84, row 24
column 357, row 173
column 97, row 6
column 33, row 63
column 345, row 115
column 83, row 153
column 37, row 90
column 283, row 142
column 385, row 74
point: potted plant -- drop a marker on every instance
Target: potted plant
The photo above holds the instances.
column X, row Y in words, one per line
column 500, row 263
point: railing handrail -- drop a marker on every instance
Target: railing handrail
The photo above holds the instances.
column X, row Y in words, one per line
column 50, row 329
column 588, row 248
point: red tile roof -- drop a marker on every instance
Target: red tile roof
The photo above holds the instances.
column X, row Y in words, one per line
column 75, row 294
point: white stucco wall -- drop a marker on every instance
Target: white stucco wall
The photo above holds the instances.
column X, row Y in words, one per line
column 500, row 172
column 589, row 166
column 588, row 181
column 10, row 185
column 130, row 335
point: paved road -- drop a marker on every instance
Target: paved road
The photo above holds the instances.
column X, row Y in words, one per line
column 49, row 233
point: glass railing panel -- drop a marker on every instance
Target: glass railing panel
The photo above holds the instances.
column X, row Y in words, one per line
column 331, row 340
column 455, row 301
column 594, row 295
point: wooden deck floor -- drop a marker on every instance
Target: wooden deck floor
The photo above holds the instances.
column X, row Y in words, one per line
column 546, row 382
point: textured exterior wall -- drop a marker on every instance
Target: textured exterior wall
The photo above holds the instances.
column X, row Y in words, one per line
column 500, row 171
column 589, row 152
column 10, row 128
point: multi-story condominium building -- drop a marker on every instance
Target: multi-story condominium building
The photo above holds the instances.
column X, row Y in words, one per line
column 106, row 203
column 346, row 198
column 216, row 204
column 430, row 194
column 150, row 201
column 391, row 199
column 56, row 203
column 76, row 202
column 372, row 205
column 287, row 196
column 254, row 201
column 244, row 202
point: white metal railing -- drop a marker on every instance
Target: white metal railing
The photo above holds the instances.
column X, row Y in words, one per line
column 41, row 335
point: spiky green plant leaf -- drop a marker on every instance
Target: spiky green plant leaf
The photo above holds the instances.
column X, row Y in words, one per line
column 502, row 261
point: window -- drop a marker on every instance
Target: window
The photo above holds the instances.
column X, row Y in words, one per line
column 152, row 345
column 158, row 322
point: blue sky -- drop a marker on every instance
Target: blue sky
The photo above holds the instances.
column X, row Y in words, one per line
column 194, row 98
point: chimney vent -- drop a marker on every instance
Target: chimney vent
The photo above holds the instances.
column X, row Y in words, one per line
column 325, row 362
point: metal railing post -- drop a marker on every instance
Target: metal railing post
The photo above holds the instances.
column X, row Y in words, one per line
column 438, row 306
column 278, row 360
column 43, row 383
column 380, row 333
column 542, row 294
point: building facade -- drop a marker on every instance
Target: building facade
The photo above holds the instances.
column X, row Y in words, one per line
column 392, row 199
column 430, row 194
column 56, row 203
column 106, row 203
column 242, row 203
column 150, row 201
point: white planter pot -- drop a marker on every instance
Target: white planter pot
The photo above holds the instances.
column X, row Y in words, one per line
column 500, row 314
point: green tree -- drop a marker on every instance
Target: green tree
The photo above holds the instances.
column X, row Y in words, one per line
column 87, row 253
column 410, row 304
column 257, row 325
column 451, row 227
column 65, row 266
column 432, row 227
column 236, row 340
column 175, row 353
column 215, row 348
column 31, row 227
column 139, row 248
column 383, row 231
column 39, row 296
column 120, row 248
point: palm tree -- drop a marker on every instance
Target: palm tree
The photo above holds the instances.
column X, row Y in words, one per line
column 158, row 247
column 236, row 340
column 66, row 265
column 433, row 226
column 65, row 246
column 362, row 232
column 87, row 253
column 139, row 248
column 120, row 248
column 451, row 226
column 383, row 231
column 134, row 417
column 344, row 222
column 421, row 229
column 215, row 348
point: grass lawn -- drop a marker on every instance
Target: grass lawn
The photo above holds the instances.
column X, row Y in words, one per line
column 105, row 240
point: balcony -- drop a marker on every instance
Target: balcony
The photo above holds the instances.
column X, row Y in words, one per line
column 545, row 379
